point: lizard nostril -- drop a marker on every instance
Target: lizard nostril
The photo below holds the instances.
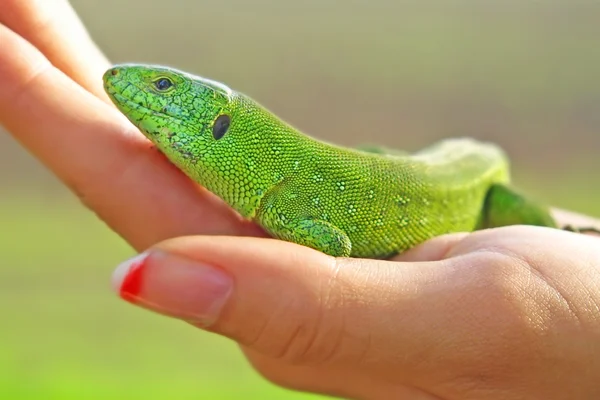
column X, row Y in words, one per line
column 114, row 72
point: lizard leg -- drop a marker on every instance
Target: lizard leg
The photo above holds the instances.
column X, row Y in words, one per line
column 314, row 233
column 505, row 206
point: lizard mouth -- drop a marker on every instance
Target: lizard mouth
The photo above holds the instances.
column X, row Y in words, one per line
column 115, row 89
column 126, row 104
column 138, row 112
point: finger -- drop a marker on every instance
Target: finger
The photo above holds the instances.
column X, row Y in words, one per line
column 283, row 300
column 91, row 147
column 417, row 324
column 576, row 220
column 55, row 29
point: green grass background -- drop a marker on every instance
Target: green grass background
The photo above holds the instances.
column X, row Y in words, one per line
column 523, row 74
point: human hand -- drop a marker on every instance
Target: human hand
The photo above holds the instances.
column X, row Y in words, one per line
column 509, row 313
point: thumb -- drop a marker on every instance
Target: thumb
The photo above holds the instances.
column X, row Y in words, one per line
column 280, row 299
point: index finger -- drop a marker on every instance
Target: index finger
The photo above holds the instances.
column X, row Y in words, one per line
column 92, row 148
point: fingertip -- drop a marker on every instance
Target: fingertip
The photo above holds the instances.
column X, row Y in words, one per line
column 123, row 272
column 574, row 219
column 174, row 285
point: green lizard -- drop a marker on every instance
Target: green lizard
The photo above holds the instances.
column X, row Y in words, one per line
column 369, row 203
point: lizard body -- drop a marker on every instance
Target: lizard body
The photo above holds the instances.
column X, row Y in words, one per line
column 370, row 203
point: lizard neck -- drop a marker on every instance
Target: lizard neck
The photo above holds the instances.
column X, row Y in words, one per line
column 258, row 152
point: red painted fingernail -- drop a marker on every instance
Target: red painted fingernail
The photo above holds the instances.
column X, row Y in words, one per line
column 174, row 285
column 128, row 277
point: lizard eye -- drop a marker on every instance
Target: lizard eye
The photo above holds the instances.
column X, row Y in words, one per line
column 221, row 126
column 163, row 84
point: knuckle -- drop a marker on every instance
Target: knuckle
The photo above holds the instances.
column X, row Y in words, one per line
column 316, row 333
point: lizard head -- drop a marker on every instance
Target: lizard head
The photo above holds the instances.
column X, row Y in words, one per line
column 220, row 138
column 183, row 115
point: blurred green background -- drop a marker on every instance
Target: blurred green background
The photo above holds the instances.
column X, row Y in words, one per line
column 523, row 74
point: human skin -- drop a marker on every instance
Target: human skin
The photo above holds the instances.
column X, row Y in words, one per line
column 510, row 313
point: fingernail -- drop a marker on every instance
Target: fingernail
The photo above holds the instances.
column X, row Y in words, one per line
column 174, row 285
